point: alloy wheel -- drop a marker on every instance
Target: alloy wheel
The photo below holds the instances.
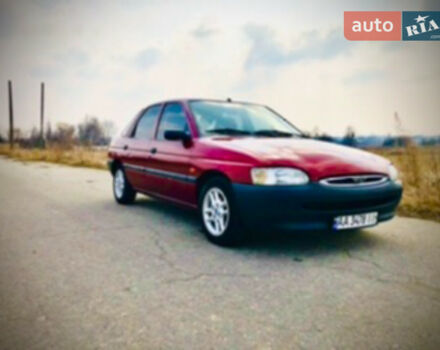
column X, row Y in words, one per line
column 216, row 211
column 119, row 183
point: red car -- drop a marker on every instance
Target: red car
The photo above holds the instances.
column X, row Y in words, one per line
column 243, row 166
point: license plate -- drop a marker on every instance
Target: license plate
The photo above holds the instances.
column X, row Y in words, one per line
column 354, row 221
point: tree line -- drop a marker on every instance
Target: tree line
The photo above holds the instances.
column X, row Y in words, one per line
column 89, row 132
column 94, row 132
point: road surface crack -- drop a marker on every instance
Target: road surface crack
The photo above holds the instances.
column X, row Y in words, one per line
column 163, row 256
column 367, row 261
column 197, row 276
column 163, row 253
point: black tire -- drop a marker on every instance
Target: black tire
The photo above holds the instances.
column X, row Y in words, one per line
column 234, row 233
column 126, row 194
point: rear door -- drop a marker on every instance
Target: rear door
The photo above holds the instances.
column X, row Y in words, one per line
column 138, row 152
column 171, row 159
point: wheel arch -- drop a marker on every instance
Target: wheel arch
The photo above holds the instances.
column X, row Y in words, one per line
column 206, row 176
column 114, row 165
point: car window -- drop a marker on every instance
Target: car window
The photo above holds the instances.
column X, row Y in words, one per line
column 238, row 118
column 173, row 118
column 145, row 126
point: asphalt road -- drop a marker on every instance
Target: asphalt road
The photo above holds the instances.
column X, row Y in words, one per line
column 78, row 271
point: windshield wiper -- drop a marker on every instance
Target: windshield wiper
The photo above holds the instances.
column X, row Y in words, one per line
column 228, row 131
column 263, row 132
column 272, row 133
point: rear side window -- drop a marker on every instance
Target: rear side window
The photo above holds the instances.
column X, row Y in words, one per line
column 145, row 126
column 173, row 118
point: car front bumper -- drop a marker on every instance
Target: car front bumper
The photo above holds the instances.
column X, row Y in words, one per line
column 313, row 206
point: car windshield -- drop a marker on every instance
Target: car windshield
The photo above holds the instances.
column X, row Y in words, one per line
column 239, row 119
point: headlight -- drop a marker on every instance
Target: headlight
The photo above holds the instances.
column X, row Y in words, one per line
column 393, row 173
column 278, row 176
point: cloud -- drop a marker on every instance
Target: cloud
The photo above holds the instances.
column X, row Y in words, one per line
column 73, row 57
column 146, row 58
column 266, row 51
column 63, row 63
column 366, row 76
column 203, row 31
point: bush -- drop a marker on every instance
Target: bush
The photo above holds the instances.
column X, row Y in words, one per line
column 92, row 132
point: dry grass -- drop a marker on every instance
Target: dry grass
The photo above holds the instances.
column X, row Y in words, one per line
column 420, row 172
column 419, row 169
column 76, row 156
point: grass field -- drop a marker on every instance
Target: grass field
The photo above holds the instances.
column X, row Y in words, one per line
column 76, row 156
column 419, row 169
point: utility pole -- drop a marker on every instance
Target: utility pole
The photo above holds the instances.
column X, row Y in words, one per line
column 11, row 116
column 42, row 114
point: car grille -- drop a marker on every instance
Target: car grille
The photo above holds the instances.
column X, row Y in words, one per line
column 354, row 180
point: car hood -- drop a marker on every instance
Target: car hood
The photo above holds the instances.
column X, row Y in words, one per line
column 319, row 159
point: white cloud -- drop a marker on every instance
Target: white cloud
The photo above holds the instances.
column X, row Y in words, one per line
column 204, row 30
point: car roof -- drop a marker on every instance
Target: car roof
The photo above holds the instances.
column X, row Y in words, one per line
column 192, row 99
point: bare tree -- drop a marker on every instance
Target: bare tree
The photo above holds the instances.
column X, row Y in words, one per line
column 35, row 137
column 350, row 137
column 91, row 132
column 64, row 135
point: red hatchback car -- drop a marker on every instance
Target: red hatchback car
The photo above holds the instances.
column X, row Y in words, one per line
column 244, row 166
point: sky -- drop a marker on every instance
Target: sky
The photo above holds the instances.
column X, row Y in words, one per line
column 111, row 58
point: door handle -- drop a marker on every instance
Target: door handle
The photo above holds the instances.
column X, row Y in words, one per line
column 153, row 150
column 125, row 147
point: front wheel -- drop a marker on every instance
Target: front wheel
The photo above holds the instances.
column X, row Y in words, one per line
column 122, row 190
column 219, row 214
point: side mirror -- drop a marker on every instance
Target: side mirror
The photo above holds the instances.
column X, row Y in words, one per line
column 176, row 135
